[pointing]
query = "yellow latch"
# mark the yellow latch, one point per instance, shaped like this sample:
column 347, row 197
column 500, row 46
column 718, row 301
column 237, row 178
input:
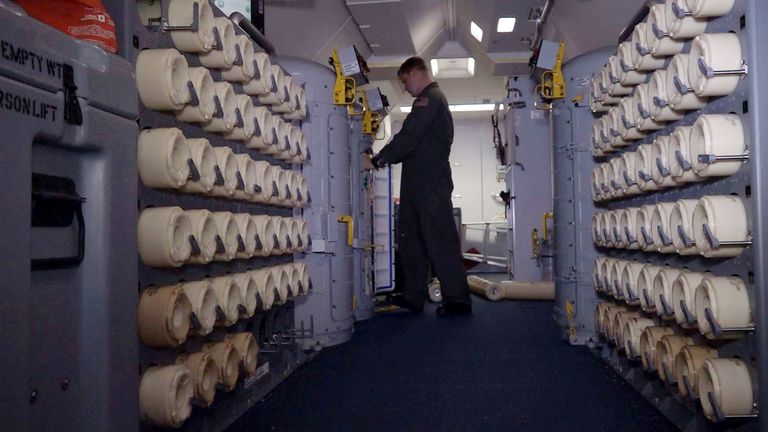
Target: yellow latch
column 570, row 314
column 347, row 219
column 345, row 87
column 552, row 82
column 545, row 225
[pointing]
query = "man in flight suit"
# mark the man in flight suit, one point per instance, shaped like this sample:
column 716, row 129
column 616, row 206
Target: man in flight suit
column 427, row 228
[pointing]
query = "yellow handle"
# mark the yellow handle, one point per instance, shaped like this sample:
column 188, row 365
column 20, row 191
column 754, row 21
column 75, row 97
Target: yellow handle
column 347, row 219
column 545, row 225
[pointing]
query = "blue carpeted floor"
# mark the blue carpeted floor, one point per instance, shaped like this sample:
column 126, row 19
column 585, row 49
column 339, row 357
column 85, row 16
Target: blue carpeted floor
column 502, row 369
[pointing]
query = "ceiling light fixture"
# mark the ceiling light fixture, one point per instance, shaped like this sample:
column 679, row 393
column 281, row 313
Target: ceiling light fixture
column 476, row 31
column 471, row 66
column 435, row 67
column 506, row 24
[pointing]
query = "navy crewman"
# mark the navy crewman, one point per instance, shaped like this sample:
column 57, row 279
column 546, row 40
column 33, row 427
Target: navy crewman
column 427, row 229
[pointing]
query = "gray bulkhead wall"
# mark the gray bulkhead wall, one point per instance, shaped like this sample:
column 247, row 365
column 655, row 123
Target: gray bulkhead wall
column 527, row 133
column 573, row 206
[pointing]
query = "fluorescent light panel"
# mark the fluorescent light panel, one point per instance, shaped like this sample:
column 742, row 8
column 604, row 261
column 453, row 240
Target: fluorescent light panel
column 435, row 68
column 506, row 24
column 459, row 108
column 476, row 31
column 471, row 66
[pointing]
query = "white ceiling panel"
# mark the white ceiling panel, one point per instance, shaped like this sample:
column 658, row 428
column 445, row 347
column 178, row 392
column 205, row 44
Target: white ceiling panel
column 384, row 26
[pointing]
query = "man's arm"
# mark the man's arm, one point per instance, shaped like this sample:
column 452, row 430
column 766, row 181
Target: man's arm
column 415, row 126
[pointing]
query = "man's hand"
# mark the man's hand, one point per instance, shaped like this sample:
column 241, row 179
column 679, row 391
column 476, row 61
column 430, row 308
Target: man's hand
column 366, row 162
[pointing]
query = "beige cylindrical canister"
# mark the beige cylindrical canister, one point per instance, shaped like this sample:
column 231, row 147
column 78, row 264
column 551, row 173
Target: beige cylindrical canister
column 202, row 371
column 247, row 348
column 204, row 159
column 730, row 383
column 203, row 111
column 181, row 13
column 163, row 316
column 165, row 394
column 164, row 237
column 222, row 57
column 227, row 362
column 203, row 300
column 161, row 79
column 163, row 158
column 688, row 362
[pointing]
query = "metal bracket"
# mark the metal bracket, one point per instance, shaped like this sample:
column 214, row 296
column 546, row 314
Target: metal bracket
column 648, row 300
column 625, row 67
column 709, row 159
column 646, row 237
column 632, row 298
column 256, row 127
column 667, row 375
column 195, row 245
column 643, row 112
column 628, row 180
column 238, row 57
column 679, row 12
column 218, row 42
column 239, row 118
column 664, row 171
column 194, row 100
column 219, row 176
column 715, row 243
column 711, row 73
column 718, row 330
column 257, row 73
column 194, row 322
column 720, row 415
column 687, row 241
column 642, row 50
column 665, row 240
column 194, row 174
column 651, row 366
column 681, row 88
column 689, row 318
column 630, row 238
column 220, row 248
column 684, row 164
column 194, row 26
column 219, row 112
column 666, row 310
column 627, row 123
column 659, row 33
column 687, row 385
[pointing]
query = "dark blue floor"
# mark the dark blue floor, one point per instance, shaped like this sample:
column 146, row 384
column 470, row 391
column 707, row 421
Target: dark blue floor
column 503, row 369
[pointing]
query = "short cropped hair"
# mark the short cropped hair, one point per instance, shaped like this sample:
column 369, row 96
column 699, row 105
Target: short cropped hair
column 412, row 63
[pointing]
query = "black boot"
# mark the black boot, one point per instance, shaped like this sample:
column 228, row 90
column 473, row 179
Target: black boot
column 452, row 309
column 402, row 303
